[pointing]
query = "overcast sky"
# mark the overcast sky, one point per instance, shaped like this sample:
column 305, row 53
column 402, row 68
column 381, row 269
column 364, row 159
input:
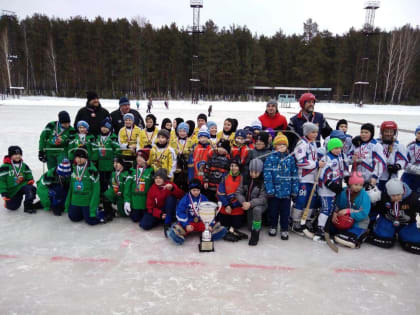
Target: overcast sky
column 260, row 16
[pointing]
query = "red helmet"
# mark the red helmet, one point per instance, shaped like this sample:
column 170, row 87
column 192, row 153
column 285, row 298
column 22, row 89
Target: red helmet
column 344, row 222
column 306, row 97
column 389, row 125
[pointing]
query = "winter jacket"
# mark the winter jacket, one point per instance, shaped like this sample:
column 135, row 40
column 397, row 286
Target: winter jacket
column 136, row 187
column 226, row 193
column 230, row 137
column 118, row 121
column 104, row 149
column 332, row 173
column 116, row 189
column 217, row 167
column 13, row 177
column 183, row 150
column 296, row 125
column 306, row 155
column 54, row 139
column 360, row 207
column 370, row 159
column 281, row 175
column 147, row 138
column 394, row 153
column 252, row 191
column 187, row 209
column 277, row 122
column 413, row 157
column 78, row 141
column 157, row 195
column 128, row 137
column 47, row 180
column 240, row 151
column 93, row 116
column 84, row 189
column 197, row 161
column 163, row 158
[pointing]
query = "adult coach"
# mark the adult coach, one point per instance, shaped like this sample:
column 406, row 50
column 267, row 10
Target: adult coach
column 307, row 104
column 272, row 119
column 93, row 113
column 117, row 115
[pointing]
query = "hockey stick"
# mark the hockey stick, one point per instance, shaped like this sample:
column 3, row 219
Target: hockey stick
column 308, row 204
column 330, row 243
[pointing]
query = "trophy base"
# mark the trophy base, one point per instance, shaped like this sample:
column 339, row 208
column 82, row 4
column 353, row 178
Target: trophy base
column 206, row 246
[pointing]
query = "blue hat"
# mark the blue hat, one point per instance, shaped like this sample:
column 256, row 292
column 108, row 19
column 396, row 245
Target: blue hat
column 417, row 129
column 129, row 116
column 183, row 126
column 106, row 123
column 338, row 134
column 211, row 124
column 64, row 168
column 124, row 101
column 241, row 133
column 83, row 124
column 203, row 132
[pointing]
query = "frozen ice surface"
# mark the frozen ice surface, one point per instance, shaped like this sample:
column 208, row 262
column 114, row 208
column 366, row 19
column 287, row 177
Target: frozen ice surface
column 49, row 265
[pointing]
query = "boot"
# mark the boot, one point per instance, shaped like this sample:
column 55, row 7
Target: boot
column 240, row 235
column 319, row 235
column 109, row 213
column 37, row 205
column 29, row 208
column 284, row 235
column 272, row 232
column 230, row 237
column 165, row 229
column 255, row 236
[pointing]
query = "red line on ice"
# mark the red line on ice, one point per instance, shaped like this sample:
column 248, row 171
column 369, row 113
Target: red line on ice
column 125, row 243
column 62, row 258
column 367, row 271
column 7, row 256
column 265, row 267
column 175, row 263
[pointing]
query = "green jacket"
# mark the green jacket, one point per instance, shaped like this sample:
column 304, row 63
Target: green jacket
column 136, row 189
column 104, row 152
column 12, row 180
column 76, row 143
column 54, row 139
column 42, row 186
column 115, row 191
column 84, row 192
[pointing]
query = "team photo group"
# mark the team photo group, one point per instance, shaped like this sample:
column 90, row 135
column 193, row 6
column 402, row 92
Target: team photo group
column 301, row 175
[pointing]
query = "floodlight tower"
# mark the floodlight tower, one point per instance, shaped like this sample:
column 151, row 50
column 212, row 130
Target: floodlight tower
column 368, row 30
column 196, row 30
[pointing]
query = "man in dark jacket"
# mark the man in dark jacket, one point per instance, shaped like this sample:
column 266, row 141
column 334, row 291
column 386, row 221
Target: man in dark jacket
column 93, row 113
column 117, row 115
column 307, row 103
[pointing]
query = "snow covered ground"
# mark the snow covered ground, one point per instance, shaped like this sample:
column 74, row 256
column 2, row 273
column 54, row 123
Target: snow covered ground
column 49, row 265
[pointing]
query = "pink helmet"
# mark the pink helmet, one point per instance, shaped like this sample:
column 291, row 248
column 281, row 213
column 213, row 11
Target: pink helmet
column 356, row 178
column 306, row 97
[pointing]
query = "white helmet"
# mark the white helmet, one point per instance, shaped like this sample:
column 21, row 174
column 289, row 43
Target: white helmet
column 374, row 193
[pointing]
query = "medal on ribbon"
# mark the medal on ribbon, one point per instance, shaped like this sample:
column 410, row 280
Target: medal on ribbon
column 194, row 208
column 140, row 186
column 18, row 176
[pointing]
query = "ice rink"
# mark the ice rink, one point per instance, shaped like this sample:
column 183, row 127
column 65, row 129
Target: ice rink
column 49, row 265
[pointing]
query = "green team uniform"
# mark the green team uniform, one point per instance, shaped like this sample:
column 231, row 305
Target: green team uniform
column 12, row 179
column 104, row 149
column 137, row 186
column 84, row 189
column 48, row 179
column 115, row 191
column 79, row 141
column 54, row 141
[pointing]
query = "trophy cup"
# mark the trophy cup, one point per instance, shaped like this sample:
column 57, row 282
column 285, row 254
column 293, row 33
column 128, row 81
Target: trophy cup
column 207, row 211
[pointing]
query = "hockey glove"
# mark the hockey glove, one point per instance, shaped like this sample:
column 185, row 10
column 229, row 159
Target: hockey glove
column 334, row 187
column 393, row 168
column 127, row 208
column 357, row 141
column 42, row 156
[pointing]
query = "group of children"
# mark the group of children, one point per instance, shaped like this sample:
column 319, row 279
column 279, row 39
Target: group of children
column 349, row 187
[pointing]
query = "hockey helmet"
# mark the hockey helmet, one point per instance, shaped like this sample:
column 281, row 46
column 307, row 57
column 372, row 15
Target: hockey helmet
column 306, row 97
column 344, row 222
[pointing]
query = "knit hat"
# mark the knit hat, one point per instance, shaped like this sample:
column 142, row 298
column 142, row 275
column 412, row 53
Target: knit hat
column 338, row 134
column 281, row 139
column 195, row 183
column 106, row 123
column 309, row 127
column 202, row 116
column 256, row 165
column 211, row 124
column 341, row 122
column 191, row 123
column 162, row 173
column 64, row 168
column 334, row 143
column 256, row 125
column 369, row 127
column 14, row 149
column 91, row 95
column 83, row 124
column 144, row 153
column 63, row 117
column 273, row 102
column 235, row 160
column 271, row 132
column 203, row 132
column 225, row 144
column 152, row 117
column 356, row 178
column 164, row 133
column 128, row 116
column 417, row 129
column 81, row 152
column 394, row 187
column 241, row 133
column 124, row 101
column 262, row 136
column 183, row 126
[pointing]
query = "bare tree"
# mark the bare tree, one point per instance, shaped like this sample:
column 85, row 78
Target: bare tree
column 392, row 52
column 5, row 50
column 52, row 58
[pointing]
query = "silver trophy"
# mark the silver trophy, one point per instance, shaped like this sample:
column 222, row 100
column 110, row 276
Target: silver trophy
column 207, row 211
